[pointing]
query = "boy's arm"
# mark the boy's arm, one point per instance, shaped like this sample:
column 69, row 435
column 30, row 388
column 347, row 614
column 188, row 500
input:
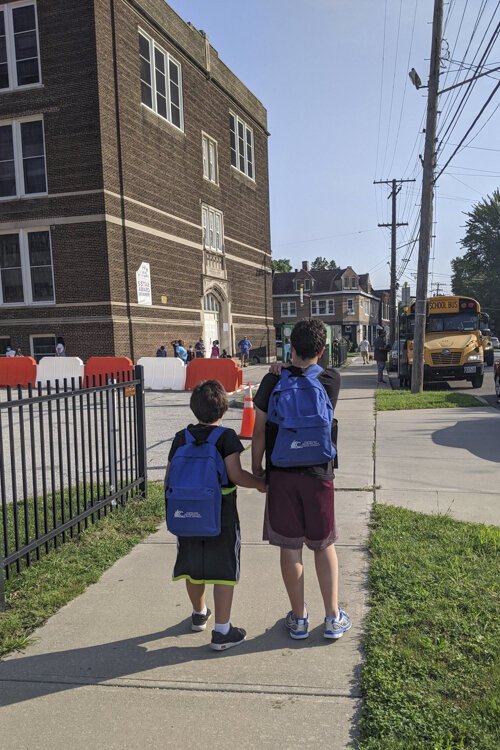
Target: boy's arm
column 239, row 476
column 259, row 441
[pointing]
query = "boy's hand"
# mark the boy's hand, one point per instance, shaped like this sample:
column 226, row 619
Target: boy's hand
column 276, row 368
column 262, row 485
column 258, row 471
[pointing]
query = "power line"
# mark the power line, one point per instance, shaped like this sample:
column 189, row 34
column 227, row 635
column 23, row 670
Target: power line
column 329, row 237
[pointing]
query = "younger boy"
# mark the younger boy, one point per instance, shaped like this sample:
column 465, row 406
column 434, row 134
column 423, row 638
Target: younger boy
column 300, row 503
column 216, row 560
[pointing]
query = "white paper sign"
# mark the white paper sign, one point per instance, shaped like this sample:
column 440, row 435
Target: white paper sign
column 225, row 327
column 143, row 280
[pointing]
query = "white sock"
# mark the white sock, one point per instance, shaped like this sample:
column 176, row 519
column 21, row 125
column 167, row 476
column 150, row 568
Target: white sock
column 222, row 627
column 203, row 611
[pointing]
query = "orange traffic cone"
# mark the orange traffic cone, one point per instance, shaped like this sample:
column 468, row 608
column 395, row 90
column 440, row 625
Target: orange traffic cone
column 248, row 421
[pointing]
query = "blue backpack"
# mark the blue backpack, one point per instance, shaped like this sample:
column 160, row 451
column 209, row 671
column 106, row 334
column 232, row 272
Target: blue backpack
column 194, row 492
column 300, row 406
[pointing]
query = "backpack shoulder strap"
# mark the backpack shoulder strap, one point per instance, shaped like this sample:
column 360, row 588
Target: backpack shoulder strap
column 215, row 435
column 314, row 371
column 189, row 438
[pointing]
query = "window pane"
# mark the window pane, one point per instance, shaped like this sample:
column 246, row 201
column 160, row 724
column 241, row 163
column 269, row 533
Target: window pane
column 145, row 71
column 159, row 60
column 6, row 143
column 161, row 105
column 43, row 346
column 32, row 138
column 10, row 254
column 42, row 287
column 174, row 94
column 12, row 285
column 25, row 45
column 204, row 147
column 7, row 179
column 24, row 18
column 27, row 72
column 176, row 116
column 2, row 23
column 161, row 87
column 212, row 161
column 4, row 77
column 174, row 72
column 144, row 47
column 39, row 249
column 146, row 95
column 34, row 175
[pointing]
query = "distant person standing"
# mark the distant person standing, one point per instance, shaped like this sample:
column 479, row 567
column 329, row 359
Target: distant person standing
column 364, row 348
column 244, row 345
column 215, row 350
column 10, row 352
column 190, row 353
column 174, row 345
column 199, row 349
column 19, row 352
column 161, row 351
column 181, row 351
column 380, row 349
column 60, row 347
column 286, row 350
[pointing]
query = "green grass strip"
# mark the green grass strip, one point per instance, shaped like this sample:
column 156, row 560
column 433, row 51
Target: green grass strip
column 432, row 674
column 395, row 400
column 43, row 588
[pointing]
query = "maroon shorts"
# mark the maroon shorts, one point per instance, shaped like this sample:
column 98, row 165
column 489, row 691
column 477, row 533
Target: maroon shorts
column 300, row 509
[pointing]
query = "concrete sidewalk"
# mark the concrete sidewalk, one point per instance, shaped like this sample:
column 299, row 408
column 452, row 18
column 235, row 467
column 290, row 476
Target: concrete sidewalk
column 119, row 668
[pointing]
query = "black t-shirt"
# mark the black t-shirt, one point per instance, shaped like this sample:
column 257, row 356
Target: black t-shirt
column 227, row 444
column 330, row 380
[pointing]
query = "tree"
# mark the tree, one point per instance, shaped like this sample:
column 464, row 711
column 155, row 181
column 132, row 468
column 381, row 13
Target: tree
column 281, row 265
column 477, row 273
column 322, row 264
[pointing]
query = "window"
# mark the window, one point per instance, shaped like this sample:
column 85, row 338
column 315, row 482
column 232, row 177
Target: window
column 241, row 135
column 213, row 231
column 346, row 282
column 161, row 81
column 5, row 341
column 288, row 309
column 26, row 276
column 323, row 307
column 350, row 307
column 210, row 170
column 19, row 50
column 307, row 285
column 22, row 158
column 354, row 283
column 43, row 345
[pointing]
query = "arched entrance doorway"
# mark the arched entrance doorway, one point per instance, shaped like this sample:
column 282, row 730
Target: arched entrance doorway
column 211, row 319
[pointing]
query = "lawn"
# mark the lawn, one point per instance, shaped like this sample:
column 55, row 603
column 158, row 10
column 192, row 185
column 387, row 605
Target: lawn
column 432, row 674
column 395, row 400
column 63, row 574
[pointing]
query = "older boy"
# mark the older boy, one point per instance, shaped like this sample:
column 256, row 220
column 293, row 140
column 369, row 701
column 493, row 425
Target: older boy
column 216, row 560
column 300, row 502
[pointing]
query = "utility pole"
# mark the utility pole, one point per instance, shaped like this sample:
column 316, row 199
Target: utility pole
column 396, row 187
column 424, row 243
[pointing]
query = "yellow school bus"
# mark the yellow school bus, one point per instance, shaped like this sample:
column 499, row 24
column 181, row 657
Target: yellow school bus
column 453, row 347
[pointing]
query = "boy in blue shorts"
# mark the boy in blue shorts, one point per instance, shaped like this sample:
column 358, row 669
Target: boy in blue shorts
column 300, row 502
column 214, row 559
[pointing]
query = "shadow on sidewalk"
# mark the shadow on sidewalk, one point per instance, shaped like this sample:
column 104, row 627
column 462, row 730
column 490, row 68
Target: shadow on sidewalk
column 48, row 674
column 472, row 436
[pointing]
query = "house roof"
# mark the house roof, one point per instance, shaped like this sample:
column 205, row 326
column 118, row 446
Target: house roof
column 324, row 281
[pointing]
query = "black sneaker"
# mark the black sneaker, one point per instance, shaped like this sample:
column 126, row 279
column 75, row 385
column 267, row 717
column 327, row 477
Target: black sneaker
column 232, row 638
column 199, row 622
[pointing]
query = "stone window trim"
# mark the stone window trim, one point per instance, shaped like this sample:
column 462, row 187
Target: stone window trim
column 27, row 267
column 242, row 146
column 14, row 65
column 161, row 81
column 210, row 158
column 212, row 221
column 289, row 309
column 20, row 158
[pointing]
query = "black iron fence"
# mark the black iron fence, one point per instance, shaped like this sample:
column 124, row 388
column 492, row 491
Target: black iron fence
column 68, row 455
column 339, row 353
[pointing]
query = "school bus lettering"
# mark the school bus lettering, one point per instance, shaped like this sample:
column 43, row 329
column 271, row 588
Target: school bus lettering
column 437, row 305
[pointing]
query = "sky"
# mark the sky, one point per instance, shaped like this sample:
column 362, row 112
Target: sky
column 342, row 112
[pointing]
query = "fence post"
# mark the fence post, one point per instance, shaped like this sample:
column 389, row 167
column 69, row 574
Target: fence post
column 111, row 437
column 141, row 428
column 2, row 585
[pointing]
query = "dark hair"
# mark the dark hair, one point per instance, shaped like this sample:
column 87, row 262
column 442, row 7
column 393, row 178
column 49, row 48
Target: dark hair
column 209, row 401
column 308, row 338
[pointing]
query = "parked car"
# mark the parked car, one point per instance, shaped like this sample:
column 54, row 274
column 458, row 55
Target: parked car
column 496, row 342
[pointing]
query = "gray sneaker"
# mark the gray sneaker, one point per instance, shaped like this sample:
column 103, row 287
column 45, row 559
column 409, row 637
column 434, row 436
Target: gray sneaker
column 199, row 622
column 297, row 628
column 335, row 629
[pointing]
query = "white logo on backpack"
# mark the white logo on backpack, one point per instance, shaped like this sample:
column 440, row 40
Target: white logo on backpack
column 306, row 444
column 189, row 514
